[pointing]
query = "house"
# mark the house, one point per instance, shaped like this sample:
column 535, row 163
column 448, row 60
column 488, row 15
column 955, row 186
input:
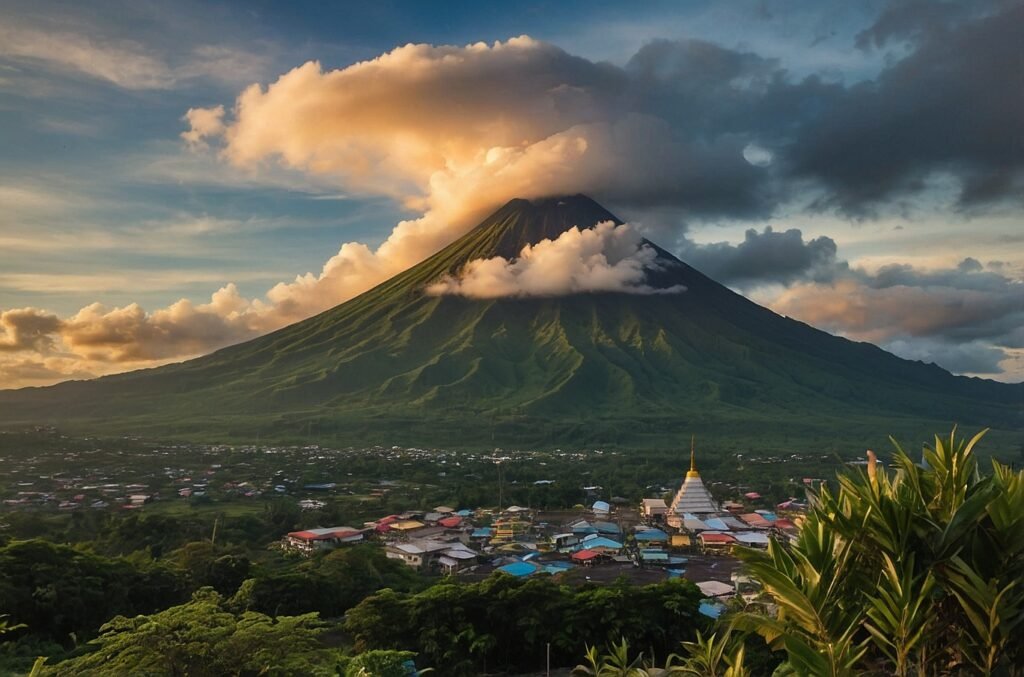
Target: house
column 586, row 557
column 452, row 522
column 651, row 537
column 752, row 539
column 564, row 540
column 456, row 558
column 653, row 508
column 752, row 519
column 424, row 553
column 715, row 542
column 599, row 543
column 601, row 508
column 417, row 553
column 654, row 556
column 680, row 541
column 607, row 528
column 312, row 540
column 481, row 534
column 716, row 589
column 404, row 526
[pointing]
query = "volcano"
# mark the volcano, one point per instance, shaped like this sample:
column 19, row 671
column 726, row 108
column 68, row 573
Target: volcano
column 397, row 364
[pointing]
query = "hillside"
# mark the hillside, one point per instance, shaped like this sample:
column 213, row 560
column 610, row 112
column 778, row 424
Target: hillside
column 395, row 364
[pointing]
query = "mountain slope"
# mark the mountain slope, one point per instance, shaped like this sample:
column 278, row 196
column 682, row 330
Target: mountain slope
column 396, row 357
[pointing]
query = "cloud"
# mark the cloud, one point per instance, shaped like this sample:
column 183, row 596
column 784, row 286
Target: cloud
column 605, row 258
column 126, row 64
column 123, row 63
column 962, row 318
column 763, row 258
column 950, row 106
column 712, row 133
column 129, row 334
column 27, row 329
column 704, row 132
column 453, row 132
column 203, row 123
column 961, row 358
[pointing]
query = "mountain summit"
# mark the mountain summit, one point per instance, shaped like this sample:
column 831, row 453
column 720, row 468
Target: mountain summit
column 397, row 363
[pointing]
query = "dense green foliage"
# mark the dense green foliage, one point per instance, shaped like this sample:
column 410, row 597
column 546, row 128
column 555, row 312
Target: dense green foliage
column 396, row 365
column 203, row 638
column 505, row 623
column 58, row 592
column 914, row 571
column 330, row 584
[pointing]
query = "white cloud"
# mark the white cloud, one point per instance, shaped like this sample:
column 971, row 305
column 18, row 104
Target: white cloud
column 124, row 63
column 605, row 258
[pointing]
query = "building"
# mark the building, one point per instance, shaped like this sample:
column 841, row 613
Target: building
column 653, row 508
column 312, row 540
column 712, row 542
column 423, row 554
column 693, row 497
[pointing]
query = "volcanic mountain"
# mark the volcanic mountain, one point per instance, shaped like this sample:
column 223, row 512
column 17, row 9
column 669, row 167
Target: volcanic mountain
column 399, row 364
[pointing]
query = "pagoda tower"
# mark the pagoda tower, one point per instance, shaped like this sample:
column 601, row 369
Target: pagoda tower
column 693, row 497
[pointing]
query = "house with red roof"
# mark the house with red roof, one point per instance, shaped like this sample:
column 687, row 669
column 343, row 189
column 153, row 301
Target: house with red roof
column 310, row 541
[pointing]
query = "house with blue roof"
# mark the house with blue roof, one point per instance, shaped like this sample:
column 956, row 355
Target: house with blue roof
column 598, row 543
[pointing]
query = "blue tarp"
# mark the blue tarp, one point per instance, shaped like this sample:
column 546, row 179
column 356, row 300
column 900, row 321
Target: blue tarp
column 607, row 528
column 651, row 535
column 716, row 524
column 711, row 609
column 464, row 513
column 482, row 532
column 519, row 569
column 601, row 506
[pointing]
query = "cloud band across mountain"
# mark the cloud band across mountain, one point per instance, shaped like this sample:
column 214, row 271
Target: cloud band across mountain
column 605, row 258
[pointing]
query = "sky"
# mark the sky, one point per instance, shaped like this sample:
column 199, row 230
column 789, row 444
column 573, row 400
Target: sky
column 179, row 177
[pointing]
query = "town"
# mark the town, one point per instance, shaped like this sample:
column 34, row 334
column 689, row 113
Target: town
column 690, row 537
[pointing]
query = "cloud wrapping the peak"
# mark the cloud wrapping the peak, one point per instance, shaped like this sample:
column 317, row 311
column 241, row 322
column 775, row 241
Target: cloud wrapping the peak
column 605, row 258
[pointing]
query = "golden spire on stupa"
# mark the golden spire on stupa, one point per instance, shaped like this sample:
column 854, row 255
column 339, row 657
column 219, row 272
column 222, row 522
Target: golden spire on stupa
column 693, row 458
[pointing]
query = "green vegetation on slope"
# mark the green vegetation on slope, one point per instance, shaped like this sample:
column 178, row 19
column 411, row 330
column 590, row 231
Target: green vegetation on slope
column 633, row 369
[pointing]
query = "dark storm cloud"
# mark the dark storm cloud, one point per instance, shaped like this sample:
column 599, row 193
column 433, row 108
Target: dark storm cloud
column 968, row 274
column 954, row 105
column 959, row 358
column 765, row 257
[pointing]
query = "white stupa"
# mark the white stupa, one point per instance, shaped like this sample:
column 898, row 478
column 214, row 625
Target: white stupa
column 693, row 497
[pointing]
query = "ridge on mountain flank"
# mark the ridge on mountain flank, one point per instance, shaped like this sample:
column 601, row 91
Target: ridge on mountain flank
column 396, row 362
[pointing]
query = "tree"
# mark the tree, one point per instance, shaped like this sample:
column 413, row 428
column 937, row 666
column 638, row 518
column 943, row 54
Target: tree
column 203, row 638
column 910, row 572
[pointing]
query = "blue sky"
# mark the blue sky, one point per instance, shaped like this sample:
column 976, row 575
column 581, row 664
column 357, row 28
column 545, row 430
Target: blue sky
column 909, row 222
